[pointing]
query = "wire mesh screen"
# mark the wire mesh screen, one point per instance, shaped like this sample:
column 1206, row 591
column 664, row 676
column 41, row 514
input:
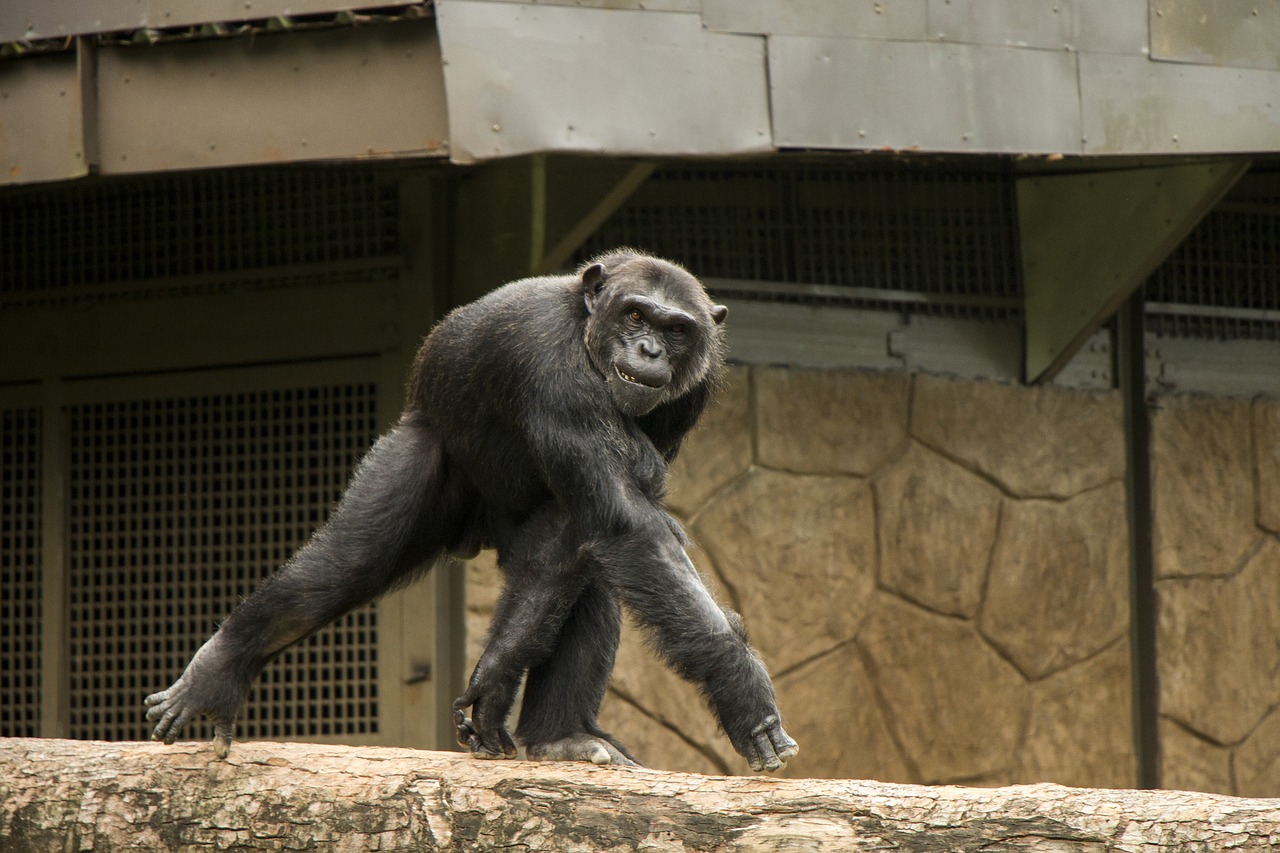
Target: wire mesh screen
column 177, row 508
column 874, row 237
column 1223, row 281
column 20, row 588
column 200, row 232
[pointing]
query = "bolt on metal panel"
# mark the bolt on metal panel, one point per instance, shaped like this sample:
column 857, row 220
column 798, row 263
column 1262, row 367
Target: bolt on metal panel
column 524, row 78
column 1134, row 106
column 899, row 19
column 1234, row 33
column 41, row 120
column 340, row 93
column 864, row 93
column 22, row 20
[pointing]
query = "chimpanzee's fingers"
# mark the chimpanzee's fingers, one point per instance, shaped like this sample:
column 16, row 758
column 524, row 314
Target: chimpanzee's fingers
column 162, row 729
column 176, row 726
column 223, row 732
column 764, row 758
column 156, row 711
column 783, row 745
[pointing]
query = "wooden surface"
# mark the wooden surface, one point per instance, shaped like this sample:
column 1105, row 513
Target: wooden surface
column 79, row 795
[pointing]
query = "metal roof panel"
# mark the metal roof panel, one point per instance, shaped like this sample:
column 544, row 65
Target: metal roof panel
column 524, row 78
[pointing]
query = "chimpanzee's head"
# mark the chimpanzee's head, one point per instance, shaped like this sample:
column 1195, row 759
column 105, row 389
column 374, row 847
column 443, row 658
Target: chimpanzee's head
column 652, row 331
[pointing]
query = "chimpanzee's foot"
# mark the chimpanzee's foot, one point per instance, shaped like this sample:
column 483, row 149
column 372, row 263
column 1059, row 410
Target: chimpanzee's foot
column 769, row 747
column 495, row 743
column 581, row 747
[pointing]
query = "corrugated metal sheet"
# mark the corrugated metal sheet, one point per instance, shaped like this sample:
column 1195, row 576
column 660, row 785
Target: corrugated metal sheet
column 855, row 93
column 41, row 120
column 324, row 94
column 38, row 19
column 899, row 19
column 1239, row 33
column 532, row 78
column 1131, row 105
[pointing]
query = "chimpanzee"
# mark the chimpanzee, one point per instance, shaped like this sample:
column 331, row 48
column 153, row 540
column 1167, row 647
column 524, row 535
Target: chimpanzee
column 540, row 421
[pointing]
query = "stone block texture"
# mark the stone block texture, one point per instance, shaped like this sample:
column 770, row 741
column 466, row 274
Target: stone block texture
column 935, row 572
column 1216, row 484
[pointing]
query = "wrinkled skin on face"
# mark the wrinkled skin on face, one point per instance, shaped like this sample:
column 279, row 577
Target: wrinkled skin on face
column 651, row 331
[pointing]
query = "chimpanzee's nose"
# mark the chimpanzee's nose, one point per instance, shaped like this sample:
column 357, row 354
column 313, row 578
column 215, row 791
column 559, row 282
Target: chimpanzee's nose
column 650, row 348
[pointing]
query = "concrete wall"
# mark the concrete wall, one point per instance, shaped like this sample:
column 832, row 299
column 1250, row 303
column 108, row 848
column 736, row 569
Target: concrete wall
column 935, row 572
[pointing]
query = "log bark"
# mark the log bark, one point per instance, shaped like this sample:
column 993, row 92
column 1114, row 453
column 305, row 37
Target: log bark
column 78, row 795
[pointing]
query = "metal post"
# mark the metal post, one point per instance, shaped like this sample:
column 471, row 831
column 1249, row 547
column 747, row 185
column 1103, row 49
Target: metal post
column 1131, row 375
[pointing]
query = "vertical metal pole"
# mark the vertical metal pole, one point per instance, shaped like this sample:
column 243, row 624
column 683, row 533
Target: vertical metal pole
column 1131, row 374
column 55, row 632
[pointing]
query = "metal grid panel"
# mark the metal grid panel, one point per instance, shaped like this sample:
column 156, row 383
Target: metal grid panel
column 922, row 242
column 1223, row 281
column 20, row 517
column 178, row 508
column 199, row 231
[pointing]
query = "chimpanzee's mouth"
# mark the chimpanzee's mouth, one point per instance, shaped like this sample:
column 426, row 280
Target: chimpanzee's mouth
column 627, row 377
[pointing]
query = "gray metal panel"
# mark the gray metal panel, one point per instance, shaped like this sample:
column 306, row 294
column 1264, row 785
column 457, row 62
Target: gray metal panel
column 1220, row 368
column 37, row 19
column 1105, row 26
column 41, row 120
column 1134, row 106
column 532, row 78
column 1242, row 33
column 650, row 5
column 900, row 19
column 1022, row 23
column 305, row 96
column 861, row 93
column 1111, row 26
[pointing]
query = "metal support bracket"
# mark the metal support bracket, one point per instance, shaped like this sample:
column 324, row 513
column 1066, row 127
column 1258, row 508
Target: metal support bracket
column 1089, row 240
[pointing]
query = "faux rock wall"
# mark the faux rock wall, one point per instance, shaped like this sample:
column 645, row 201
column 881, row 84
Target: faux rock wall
column 935, row 572
column 1216, row 484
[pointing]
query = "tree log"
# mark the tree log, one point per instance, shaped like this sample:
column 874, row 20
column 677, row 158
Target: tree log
column 81, row 795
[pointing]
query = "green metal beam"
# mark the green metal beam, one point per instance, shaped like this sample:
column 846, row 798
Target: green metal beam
column 1089, row 240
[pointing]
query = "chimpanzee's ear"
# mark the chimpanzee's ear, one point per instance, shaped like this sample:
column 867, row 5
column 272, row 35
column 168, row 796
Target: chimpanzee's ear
column 592, row 280
column 718, row 313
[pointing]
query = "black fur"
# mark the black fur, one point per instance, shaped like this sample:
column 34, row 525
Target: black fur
column 540, row 422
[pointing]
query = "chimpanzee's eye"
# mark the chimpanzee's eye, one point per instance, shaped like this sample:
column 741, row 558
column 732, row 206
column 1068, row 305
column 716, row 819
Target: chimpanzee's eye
column 677, row 329
column 635, row 316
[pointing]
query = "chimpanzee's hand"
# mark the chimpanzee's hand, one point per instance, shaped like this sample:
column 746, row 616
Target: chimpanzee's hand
column 769, row 747
column 207, row 687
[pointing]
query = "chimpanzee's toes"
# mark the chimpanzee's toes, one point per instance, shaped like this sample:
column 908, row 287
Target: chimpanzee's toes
column 580, row 747
column 494, row 744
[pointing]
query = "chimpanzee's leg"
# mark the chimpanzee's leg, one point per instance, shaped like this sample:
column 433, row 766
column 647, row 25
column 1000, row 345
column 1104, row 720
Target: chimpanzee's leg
column 562, row 695
column 544, row 577
column 401, row 511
